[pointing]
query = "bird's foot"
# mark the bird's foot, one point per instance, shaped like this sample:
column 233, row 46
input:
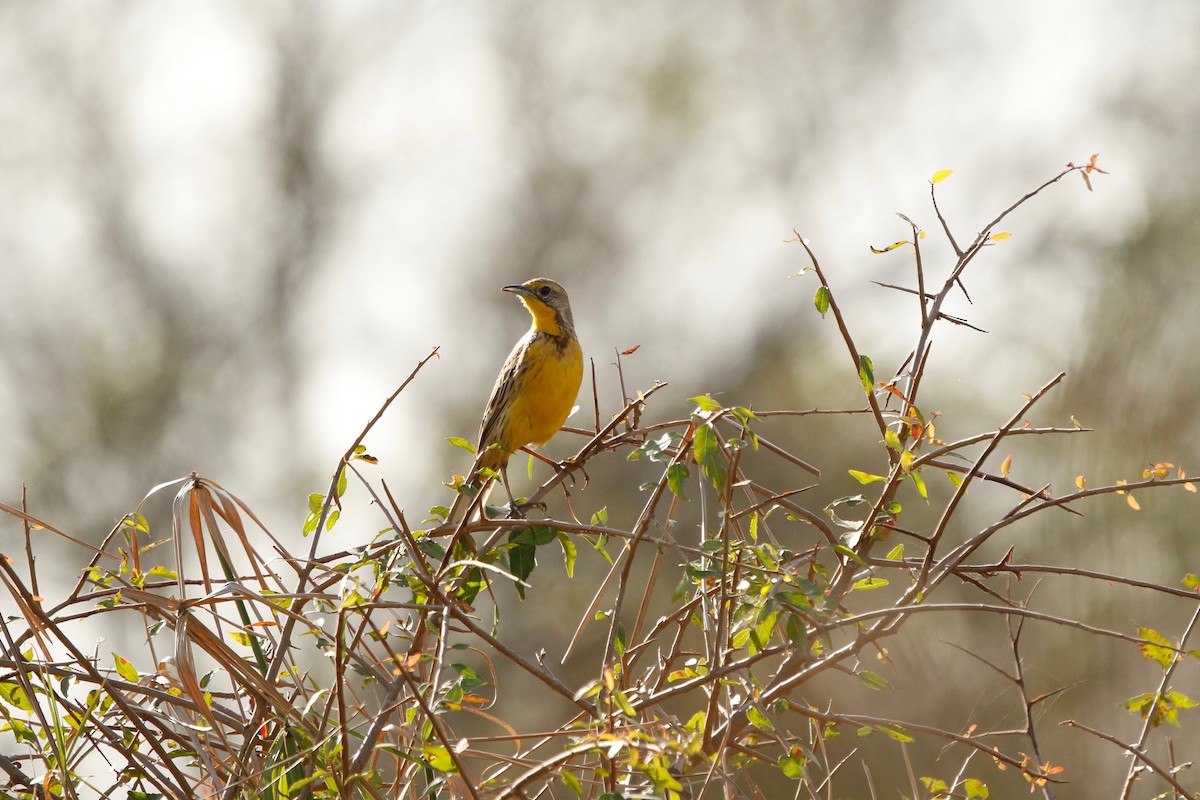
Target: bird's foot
column 569, row 466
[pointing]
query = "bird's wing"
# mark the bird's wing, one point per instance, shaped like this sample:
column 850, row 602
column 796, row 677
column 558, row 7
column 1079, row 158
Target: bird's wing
column 502, row 394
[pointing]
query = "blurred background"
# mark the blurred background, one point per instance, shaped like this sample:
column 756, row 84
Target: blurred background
column 228, row 231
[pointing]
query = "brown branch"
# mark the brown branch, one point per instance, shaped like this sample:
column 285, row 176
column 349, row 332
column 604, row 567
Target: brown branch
column 1137, row 754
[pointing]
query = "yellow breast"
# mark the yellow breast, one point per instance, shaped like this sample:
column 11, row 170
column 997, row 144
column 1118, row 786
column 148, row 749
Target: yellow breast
column 547, row 383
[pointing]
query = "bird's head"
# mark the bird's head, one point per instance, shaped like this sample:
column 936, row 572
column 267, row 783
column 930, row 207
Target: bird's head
column 547, row 303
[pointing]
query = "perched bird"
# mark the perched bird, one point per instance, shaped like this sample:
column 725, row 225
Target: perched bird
column 535, row 390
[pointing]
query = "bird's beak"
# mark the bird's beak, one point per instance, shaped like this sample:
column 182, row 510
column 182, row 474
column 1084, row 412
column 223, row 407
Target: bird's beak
column 517, row 289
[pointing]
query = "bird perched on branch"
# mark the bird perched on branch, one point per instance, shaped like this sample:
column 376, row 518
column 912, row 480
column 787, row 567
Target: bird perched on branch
column 534, row 392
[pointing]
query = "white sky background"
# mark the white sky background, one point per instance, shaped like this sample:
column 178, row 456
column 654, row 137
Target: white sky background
column 420, row 140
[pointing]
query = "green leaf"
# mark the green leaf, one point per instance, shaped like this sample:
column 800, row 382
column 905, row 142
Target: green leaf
column 438, row 758
column 14, row 694
column 821, row 299
column 767, row 555
column 852, row 501
column 677, row 474
column 463, row 443
column 1138, row 702
column 341, row 482
column 709, row 456
column 619, row 639
column 866, row 373
column 744, row 415
column 846, row 552
column 471, row 585
column 655, row 449
column 542, row 535
column 600, row 518
column 898, row 733
column 600, row 544
column 522, row 555
column 706, row 403
column 137, row 522
column 758, row 719
column 125, row 669
column 1191, row 581
column 1159, row 710
column 892, row 440
column 976, row 789
column 792, row 768
column 871, row 583
column 570, row 553
column 935, row 786
column 797, row 633
column 764, row 627
column 623, row 703
column 896, row 553
column 571, row 780
column 315, row 501
column 919, row 482
column 865, row 477
column 873, row 680
column 658, row 771
column 1179, row 700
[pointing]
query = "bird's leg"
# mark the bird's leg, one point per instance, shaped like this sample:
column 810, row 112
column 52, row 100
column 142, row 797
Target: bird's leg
column 514, row 508
column 569, row 465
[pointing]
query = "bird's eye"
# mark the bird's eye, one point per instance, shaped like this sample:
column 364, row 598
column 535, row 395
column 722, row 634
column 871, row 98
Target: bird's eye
column 544, row 291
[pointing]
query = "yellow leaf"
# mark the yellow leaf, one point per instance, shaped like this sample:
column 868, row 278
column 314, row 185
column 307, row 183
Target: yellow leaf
column 1000, row 237
column 1006, row 466
column 1133, row 503
column 1158, row 471
column 1156, row 647
column 889, row 248
column 1081, row 482
column 941, row 175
